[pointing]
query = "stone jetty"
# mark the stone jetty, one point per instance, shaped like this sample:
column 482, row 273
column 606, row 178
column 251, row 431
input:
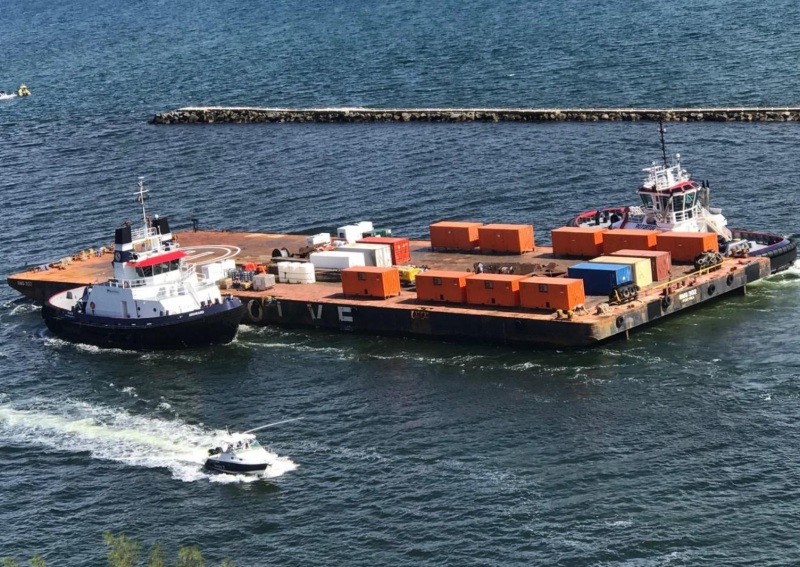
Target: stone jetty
column 246, row 115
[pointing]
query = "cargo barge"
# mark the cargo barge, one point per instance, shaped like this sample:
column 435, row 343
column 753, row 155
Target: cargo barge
column 502, row 289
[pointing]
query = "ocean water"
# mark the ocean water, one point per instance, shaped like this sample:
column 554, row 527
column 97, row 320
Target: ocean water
column 676, row 447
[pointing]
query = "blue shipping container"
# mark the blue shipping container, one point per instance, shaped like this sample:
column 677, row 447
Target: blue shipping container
column 600, row 279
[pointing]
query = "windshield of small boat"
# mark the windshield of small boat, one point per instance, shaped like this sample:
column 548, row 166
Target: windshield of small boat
column 254, row 444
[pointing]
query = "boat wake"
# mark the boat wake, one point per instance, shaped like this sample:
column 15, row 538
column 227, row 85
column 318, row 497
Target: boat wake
column 8, row 96
column 788, row 276
column 115, row 435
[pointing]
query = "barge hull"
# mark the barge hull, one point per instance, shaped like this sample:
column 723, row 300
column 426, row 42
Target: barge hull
column 323, row 305
column 415, row 319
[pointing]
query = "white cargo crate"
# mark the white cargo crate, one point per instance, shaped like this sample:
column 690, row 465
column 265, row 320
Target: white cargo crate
column 318, row 239
column 263, row 281
column 336, row 259
column 213, row 271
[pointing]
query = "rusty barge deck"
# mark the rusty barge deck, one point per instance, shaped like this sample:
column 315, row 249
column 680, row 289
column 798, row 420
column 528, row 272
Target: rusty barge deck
column 322, row 304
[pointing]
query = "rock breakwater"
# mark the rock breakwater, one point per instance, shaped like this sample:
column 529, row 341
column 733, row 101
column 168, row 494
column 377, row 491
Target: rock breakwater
column 245, row 115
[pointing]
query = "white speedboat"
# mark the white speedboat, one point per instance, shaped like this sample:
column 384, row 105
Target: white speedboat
column 154, row 301
column 241, row 453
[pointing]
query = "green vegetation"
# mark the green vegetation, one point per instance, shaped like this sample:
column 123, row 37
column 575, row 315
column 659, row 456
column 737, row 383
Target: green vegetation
column 124, row 552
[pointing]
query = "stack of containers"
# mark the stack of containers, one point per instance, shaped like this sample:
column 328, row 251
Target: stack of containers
column 578, row 242
column 371, row 281
column 686, row 246
column 400, row 247
column 660, row 261
column 336, row 259
column 636, row 238
column 449, row 286
column 493, row 289
column 539, row 292
column 374, row 254
column 600, row 279
column 455, row 235
column 640, row 267
column 509, row 238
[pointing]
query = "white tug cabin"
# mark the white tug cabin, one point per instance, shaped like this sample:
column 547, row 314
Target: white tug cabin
column 151, row 278
column 671, row 200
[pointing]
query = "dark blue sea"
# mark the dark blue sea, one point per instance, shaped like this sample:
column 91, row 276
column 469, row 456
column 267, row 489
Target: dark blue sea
column 679, row 446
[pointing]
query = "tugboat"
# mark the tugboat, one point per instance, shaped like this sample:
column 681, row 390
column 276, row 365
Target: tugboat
column 241, row 453
column 155, row 300
column 672, row 200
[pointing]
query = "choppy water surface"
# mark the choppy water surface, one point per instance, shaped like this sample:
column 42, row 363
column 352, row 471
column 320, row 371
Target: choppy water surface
column 677, row 447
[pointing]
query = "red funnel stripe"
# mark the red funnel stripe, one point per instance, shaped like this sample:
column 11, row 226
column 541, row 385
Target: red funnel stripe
column 160, row 259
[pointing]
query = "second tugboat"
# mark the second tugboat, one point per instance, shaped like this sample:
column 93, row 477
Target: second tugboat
column 672, row 201
column 154, row 301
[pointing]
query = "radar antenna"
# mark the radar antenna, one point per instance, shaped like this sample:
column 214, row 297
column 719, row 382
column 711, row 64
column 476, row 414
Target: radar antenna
column 661, row 131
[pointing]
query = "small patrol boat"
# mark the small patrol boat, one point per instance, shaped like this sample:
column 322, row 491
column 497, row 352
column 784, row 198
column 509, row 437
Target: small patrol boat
column 241, row 453
column 673, row 201
column 155, row 301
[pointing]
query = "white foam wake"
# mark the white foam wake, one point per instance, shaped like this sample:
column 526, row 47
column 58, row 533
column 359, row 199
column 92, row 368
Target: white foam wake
column 115, row 435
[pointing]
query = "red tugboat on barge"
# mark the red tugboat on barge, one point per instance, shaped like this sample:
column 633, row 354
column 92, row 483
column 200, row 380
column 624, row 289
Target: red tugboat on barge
column 154, row 301
column 673, row 201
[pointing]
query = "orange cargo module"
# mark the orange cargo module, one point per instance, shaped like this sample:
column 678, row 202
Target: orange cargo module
column 442, row 285
column 371, row 281
column 455, row 235
column 494, row 289
column 634, row 238
column 510, row 238
column 539, row 292
column 579, row 242
column 686, row 246
column 660, row 261
column 401, row 251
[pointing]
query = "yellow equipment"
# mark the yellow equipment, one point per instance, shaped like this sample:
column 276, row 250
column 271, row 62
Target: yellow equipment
column 408, row 274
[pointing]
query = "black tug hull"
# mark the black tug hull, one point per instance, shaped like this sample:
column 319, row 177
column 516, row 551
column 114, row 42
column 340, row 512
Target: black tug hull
column 216, row 324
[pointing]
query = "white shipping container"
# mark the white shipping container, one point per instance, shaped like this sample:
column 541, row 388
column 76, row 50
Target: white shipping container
column 350, row 232
column 336, row 259
column 263, row 281
column 374, row 254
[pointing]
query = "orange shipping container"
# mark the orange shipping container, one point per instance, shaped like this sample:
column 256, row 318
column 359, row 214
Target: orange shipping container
column 579, row 242
column 455, row 234
column 401, row 250
column 442, row 285
column 371, row 281
column 539, row 292
column 494, row 289
column 685, row 246
column 511, row 238
column 635, row 238
column 660, row 261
